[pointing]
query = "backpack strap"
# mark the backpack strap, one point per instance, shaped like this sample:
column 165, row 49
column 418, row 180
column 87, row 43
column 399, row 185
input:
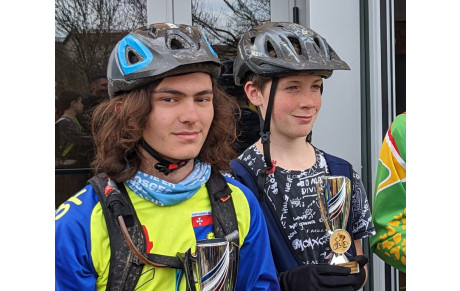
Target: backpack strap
column 223, row 210
column 125, row 269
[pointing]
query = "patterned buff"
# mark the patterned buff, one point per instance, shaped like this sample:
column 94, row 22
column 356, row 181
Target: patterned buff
column 164, row 193
column 389, row 210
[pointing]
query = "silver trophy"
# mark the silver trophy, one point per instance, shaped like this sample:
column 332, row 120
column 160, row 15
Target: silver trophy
column 334, row 197
column 214, row 266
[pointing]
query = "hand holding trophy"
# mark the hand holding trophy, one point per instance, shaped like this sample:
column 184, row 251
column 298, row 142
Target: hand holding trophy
column 334, row 197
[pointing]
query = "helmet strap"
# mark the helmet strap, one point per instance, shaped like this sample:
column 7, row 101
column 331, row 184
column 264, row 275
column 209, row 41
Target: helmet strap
column 164, row 166
column 265, row 133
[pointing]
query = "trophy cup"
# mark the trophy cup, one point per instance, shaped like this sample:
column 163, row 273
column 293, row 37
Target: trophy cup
column 214, row 266
column 334, row 197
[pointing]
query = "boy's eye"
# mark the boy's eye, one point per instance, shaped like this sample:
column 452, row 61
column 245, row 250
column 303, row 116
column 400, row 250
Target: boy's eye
column 168, row 99
column 203, row 99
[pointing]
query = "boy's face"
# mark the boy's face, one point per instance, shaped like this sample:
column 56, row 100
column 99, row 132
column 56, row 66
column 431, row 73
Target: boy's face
column 77, row 105
column 296, row 105
column 181, row 115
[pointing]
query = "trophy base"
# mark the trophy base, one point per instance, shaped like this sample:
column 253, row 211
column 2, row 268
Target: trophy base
column 342, row 260
column 353, row 265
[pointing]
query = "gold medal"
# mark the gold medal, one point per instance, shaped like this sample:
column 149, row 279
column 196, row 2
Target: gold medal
column 340, row 241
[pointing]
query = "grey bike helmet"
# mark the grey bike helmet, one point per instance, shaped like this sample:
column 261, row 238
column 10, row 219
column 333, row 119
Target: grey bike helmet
column 270, row 50
column 158, row 51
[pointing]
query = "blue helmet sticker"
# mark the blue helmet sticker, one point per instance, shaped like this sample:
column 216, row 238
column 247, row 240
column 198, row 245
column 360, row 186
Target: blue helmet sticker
column 140, row 48
column 210, row 48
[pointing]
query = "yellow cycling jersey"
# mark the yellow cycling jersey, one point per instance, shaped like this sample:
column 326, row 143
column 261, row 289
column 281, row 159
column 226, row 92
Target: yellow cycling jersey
column 83, row 246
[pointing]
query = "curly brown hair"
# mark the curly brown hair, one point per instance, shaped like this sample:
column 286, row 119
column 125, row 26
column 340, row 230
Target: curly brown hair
column 118, row 125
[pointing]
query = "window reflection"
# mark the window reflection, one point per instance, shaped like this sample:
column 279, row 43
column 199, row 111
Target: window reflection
column 85, row 33
column 223, row 21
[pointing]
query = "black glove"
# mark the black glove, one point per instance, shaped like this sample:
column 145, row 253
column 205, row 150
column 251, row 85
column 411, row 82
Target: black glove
column 361, row 276
column 323, row 277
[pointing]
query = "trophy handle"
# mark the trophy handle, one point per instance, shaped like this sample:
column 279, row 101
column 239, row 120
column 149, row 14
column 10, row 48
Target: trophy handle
column 234, row 262
column 189, row 261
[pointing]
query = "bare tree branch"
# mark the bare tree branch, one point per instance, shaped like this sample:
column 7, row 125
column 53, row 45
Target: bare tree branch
column 225, row 27
column 91, row 28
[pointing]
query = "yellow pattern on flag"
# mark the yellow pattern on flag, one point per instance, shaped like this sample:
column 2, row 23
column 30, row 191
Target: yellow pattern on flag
column 396, row 171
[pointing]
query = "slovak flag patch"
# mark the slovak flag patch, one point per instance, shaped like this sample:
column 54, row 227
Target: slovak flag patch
column 202, row 224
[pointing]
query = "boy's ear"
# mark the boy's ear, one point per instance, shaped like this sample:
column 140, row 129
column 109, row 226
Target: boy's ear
column 254, row 95
column 118, row 106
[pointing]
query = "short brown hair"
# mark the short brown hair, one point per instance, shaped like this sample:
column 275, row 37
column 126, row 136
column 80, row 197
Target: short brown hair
column 260, row 82
column 118, row 125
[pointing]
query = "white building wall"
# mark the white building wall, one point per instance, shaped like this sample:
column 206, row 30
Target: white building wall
column 173, row 11
column 338, row 127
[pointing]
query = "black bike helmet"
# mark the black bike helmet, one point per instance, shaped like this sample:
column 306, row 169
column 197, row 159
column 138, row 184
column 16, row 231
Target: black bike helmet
column 280, row 48
column 158, row 51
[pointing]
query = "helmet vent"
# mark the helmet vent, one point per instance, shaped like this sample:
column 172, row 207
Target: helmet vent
column 252, row 40
column 318, row 44
column 177, row 43
column 296, row 44
column 132, row 56
column 271, row 50
column 322, row 47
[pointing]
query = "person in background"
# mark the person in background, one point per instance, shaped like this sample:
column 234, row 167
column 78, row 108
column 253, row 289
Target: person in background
column 389, row 208
column 99, row 93
column 281, row 67
column 73, row 146
column 72, row 143
column 161, row 142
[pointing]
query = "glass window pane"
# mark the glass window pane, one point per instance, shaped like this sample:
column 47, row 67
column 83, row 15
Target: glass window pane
column 85, row 33
column 223, row 21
